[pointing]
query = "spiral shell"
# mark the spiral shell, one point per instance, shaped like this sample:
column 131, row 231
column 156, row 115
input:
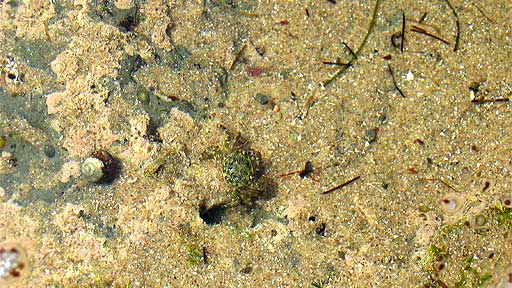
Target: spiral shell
column 92, row 169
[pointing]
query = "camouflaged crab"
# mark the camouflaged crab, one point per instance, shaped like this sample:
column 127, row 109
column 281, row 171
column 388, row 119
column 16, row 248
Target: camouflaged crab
column 241, row 169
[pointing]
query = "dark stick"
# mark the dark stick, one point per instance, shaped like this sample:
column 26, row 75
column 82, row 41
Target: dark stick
column 394, row 81
column 424, row 32
column 334, row 63
column 205, row 256
column 341, row 185
column 483, row 100
column 403, row 33
column 350, row 50
column 457, row 37
column 422, row 18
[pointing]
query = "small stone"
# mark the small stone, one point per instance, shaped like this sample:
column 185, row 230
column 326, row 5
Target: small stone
column 262, row 98
column 409, row 76
column 472, row 95
column 474, row 86
column 321, row 230
column 246, row 270
column 49, row 151
column 371, row 135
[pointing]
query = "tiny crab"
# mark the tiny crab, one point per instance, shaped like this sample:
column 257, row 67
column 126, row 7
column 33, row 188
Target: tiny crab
column 241, row 169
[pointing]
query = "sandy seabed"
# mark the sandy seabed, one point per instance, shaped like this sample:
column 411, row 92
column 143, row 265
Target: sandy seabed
column 421, row 119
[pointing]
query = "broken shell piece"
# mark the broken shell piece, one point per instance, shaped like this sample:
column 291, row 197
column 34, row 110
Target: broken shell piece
column 13, row 262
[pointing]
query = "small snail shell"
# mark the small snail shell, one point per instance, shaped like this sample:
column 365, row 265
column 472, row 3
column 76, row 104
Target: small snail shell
column 92, row 169
column 98, row 167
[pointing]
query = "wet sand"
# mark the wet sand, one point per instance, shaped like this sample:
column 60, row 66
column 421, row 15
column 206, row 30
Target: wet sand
column 171, row 89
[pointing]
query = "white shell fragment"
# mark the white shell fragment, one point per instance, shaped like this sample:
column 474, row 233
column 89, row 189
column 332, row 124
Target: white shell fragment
column 13, row 262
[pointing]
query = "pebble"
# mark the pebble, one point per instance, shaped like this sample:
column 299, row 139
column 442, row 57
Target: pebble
column 371, row 135
column 262, row 98
column 49, row 151
column 409, row 76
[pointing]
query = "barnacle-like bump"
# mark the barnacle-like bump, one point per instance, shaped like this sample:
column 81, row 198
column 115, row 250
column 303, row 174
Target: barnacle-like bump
column 507, row 202
column 479, row 220
column 451, row 204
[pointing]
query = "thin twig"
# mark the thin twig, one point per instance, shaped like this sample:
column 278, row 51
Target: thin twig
column 403, row 33
column 420, row 30
column 308, row 169
column 356, row 54
column 457, row 37
column 350, row 50
column 485, row 100
column 394, row 81
column 237, row 57
column 442, row 181
column 483, row 14
column 341, row 185
column 308, row 104
column 335, row 63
